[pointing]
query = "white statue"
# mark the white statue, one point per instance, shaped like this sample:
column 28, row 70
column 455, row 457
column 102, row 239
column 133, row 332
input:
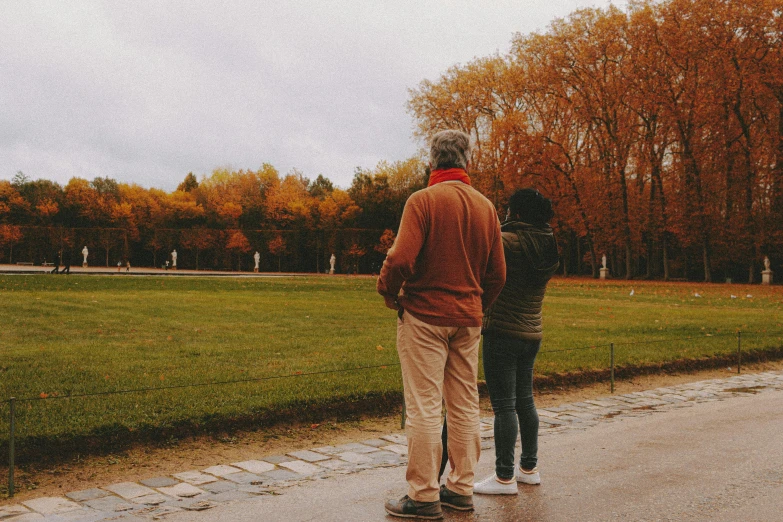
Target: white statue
column 603, row 271
column 84, row 253
column 766, row 274
column 174, row 259
column 257, row 259
column 332, row 261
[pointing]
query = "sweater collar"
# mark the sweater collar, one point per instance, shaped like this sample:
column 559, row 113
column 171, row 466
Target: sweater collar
column 440, row 175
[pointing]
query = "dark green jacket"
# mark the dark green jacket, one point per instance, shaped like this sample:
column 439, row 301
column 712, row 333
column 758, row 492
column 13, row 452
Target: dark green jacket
column 531, row 260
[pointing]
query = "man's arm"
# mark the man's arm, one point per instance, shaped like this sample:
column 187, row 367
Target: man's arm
column 401, row 259
column 495, row 276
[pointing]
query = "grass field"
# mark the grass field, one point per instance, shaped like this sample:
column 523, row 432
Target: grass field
column 62, row 336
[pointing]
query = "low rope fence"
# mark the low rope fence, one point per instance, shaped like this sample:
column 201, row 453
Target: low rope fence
column 14, row 401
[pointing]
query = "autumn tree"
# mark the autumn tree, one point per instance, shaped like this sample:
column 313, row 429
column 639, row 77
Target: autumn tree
column 277, row 247
column 189, row 184
column 237, row 242
column 13, row 207
column 352, row 256
column 380, row 194
column 386, row 241
column 200, row 239
column 10, row 235
column 657, row 131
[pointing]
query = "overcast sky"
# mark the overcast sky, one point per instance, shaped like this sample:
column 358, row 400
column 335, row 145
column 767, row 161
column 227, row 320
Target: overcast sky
column 146, row 92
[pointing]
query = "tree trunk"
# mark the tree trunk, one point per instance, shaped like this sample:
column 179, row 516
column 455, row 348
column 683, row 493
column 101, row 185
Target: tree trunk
column 626, row 223
column 750, row 179
column 777, row 171
column 665, row 258
column 693, row 175
column 585, row 221
column 706, row 258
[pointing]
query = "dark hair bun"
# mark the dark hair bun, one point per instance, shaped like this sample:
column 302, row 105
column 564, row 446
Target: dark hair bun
column 530, row 206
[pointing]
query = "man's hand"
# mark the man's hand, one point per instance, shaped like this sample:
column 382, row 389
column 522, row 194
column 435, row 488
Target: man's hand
column 391, row 302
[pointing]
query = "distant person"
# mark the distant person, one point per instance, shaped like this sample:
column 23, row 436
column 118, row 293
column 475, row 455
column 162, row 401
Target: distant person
column 127, row 266
column 167, row 264
column 56, row 262
column 66, row 261
column 512, row 338
column 446, row 267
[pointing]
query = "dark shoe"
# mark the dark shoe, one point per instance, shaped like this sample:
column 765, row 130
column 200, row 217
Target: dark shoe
column 455, row 501
column 406, row 507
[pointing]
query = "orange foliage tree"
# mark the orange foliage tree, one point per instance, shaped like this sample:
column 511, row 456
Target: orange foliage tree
column 657, row 131
column 237, row 242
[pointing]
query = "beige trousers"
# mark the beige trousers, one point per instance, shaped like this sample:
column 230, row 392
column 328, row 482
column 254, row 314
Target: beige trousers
column 439, row 363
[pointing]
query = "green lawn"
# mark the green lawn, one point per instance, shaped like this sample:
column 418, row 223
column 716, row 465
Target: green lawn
column 79, row 335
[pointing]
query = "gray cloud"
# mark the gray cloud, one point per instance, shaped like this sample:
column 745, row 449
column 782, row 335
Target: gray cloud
column 147, row 91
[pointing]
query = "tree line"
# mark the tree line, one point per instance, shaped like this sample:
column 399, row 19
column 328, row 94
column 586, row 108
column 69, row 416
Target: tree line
column 295, row 223
column 657, row 131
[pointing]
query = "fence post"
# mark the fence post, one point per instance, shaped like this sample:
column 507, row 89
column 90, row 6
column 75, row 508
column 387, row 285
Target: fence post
column 12, row 422
column 611, row 358
column 739, row 351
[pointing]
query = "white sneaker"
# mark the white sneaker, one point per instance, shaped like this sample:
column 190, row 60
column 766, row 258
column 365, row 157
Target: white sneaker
column 491, row 486
column 528, row 477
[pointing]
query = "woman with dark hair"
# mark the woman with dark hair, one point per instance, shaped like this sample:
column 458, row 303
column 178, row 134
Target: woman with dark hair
column 512, row 337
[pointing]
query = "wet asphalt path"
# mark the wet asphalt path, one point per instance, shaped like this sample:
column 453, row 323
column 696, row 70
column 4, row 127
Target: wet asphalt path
column 718, row 460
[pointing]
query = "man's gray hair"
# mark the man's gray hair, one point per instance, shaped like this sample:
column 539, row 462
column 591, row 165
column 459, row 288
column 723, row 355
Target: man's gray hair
column 450, row 149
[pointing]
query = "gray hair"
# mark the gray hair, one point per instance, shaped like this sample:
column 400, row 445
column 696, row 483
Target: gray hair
column 449, row 149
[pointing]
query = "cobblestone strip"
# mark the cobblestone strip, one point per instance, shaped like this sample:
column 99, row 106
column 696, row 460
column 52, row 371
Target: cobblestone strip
column 202, row 489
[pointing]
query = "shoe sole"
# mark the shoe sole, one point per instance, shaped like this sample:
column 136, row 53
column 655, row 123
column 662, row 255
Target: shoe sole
column 529, row 483
column 454, row 506
column 423, row 517
column 515, row 492
column 520, row 479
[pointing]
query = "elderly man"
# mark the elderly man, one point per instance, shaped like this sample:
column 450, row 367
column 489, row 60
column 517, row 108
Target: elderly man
column 446, row 267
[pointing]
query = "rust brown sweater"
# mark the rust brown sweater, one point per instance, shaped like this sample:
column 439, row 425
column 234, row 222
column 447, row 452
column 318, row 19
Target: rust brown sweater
column 447, row 263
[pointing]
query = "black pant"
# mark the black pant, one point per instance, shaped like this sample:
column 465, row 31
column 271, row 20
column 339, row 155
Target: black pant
column 508, row 368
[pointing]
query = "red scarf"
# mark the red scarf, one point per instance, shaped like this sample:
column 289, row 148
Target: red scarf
column 436, row 176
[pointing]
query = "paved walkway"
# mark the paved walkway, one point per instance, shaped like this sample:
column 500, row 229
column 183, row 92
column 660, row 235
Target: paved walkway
column 349, row 482
column 145, row 271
